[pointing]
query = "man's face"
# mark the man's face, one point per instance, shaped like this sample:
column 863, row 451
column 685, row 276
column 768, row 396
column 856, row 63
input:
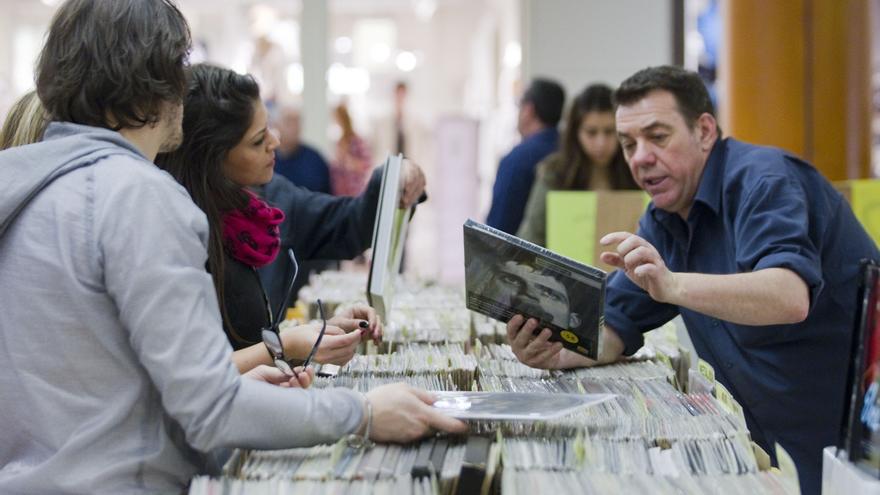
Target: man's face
column 525, row 117
column 522, row 286
column 173, row 125
column 289, row 128
column 665, row 155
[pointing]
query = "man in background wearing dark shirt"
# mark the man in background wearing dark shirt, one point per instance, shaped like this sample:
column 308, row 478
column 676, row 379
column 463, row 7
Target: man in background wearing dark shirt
column 751, row 246
column 298, row 162
column 539, row 113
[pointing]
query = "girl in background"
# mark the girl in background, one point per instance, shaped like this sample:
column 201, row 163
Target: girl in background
column 590, row 159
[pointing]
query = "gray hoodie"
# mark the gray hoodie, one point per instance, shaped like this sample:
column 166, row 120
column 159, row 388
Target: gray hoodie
column 117, row 375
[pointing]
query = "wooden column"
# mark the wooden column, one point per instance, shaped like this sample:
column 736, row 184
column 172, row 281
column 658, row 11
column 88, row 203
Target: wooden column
column 796, row 74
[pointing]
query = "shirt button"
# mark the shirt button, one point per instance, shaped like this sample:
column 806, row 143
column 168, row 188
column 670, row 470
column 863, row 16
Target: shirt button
column 714, row 323
column 728, row 365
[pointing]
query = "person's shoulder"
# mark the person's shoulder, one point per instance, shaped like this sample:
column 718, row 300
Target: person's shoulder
column 552, row 160
column 123, row 177
column 550, row 167
column 526, row 153
column 752, row 164
column 124, row 168
column 280, row 188
column 742, row 153
column 309, row 150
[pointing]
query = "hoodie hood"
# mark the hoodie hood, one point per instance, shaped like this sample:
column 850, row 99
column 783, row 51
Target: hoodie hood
column 27, row 170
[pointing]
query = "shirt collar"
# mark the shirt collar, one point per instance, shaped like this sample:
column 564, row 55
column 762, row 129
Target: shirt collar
column 711, row 182
column 709, row 191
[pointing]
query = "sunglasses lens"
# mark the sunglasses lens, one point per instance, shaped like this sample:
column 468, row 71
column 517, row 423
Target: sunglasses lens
column 284, row 367
column 273, row 342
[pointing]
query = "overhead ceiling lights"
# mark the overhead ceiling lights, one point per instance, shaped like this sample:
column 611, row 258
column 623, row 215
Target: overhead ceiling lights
column 406, row 61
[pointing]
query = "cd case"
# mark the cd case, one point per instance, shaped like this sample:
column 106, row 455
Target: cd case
column 516, row 406
column 507, row 276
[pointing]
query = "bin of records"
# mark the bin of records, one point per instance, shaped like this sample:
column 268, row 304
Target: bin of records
column 427, row 325
column 650, row 436
column 439, row 465
column 433, row 367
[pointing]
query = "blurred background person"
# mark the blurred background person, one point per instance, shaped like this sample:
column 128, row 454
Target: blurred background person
column 304, row 166
column 400, row 91
column 539, row 112
column 394, row 131
column 353, row 162
column 589, row 158
column 295, row 160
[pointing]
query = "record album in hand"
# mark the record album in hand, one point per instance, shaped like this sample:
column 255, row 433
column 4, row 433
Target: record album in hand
column 506, row 276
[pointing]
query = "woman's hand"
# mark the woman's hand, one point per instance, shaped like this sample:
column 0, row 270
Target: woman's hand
column 337, row 347
column 274, row 376
column 359, row 317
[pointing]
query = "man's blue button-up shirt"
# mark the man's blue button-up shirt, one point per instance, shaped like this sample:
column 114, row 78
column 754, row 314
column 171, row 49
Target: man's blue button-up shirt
column 759, row 207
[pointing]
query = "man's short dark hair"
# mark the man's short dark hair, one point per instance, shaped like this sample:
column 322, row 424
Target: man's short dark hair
column 113, row 63
column 688, row 89
column 548, row 98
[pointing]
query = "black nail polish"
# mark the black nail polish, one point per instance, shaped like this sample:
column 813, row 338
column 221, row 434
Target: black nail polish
column 363, row 324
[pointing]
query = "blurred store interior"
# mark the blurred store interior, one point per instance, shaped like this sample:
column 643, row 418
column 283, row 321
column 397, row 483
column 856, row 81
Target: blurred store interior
column 812, row 86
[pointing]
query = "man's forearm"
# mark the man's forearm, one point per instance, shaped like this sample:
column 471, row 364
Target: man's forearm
column 772, row 296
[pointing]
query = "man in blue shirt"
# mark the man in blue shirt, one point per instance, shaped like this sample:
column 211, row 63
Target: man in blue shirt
column 539, row 113
column 298, row 162
column 751, row 246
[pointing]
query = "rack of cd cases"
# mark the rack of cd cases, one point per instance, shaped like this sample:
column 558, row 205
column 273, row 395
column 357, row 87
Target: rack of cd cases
column 652, row 437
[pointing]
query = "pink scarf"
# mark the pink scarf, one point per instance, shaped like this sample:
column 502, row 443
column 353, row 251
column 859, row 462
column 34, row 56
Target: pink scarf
column 251, row 234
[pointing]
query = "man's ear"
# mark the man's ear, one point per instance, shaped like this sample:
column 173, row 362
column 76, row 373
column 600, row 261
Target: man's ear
column 527, row 109
column 574, row 320
column 707, row 129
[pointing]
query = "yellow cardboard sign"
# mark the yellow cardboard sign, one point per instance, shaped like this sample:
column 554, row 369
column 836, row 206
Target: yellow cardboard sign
column 762, row 457
column 728, row 402
column 786, row 464
column 865, row 200
column 663, row 358
column 706, row 370
column 724, row 397
column 571, row 224
column 576, row 220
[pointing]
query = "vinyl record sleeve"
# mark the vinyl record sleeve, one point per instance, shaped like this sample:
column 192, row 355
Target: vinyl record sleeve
column 515, row 406
column 507, row 276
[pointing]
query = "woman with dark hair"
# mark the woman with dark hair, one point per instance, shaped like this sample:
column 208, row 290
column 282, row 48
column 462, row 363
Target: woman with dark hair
column 590, row 159
column 227, row 149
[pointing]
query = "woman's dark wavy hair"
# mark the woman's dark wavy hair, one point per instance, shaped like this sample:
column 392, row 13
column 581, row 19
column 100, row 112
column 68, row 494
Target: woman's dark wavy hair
column 574, row 166
column 217, row 112
column 113, row 63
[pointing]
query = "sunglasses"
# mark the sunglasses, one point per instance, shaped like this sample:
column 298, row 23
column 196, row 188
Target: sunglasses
column 272, row 337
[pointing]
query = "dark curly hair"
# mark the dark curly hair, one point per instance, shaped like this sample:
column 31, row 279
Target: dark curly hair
column 217, row 112
column 113, row 63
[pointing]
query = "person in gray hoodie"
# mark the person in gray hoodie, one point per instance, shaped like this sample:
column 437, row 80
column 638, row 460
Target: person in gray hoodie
column 117, row 375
